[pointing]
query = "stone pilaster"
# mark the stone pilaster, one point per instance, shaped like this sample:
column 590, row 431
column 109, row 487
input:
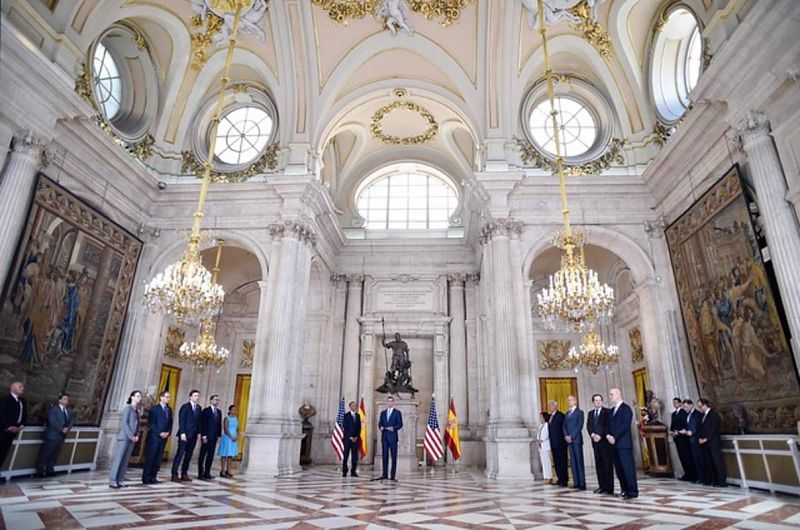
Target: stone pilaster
column 17, row 185
column 350, row 386
column 366, row 382
column 458, row 348
column 474, row 389
column 440, row 375
column 780, row 225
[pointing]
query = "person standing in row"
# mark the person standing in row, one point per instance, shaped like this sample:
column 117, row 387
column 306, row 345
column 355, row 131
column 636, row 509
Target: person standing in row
column 351, row 432
column 13, row 415
column 711, row 442
column 59, row 423
column 188, row 430
column 573, row 427
column 391, row 421
column 210, row 432
column 619, row 436
column 677, row 426
column 597, row 425
column 692, row 433
column 557, row 443
column 229, row 446
column 160, row 428
column 127, row 436
column 544, row 447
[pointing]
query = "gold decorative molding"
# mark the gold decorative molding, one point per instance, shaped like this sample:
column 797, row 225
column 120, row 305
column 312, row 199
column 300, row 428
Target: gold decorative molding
column 248, row 348
column 141, row 150
column 377, row 130
column 637, row 348
column 342, row 11
column 267, row 163
column 203, row 29
column 592, row 31
column 83, row 85
column 554, row 355
column 532, row 157
column 175, row 337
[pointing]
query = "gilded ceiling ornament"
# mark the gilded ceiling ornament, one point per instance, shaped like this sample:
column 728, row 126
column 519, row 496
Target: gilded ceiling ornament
column 637, row 348
column 377, row 130
column 557, row 10
column 204, row 28
column 393, row 13
column 533, row 158
column 248, row 347
column 83, row 85
column 249, row 22
column 141, row 149
column 554, row 355
column 266, row 163
column 172, row 346
column 593, row 32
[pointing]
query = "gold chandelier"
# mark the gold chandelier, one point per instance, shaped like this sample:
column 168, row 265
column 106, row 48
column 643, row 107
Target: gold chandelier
column 186, row 289
column 575, row 298
column 593, row 353
column 205, row 352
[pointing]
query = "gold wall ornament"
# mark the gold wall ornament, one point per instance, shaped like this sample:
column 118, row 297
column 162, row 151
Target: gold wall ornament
column 377, row 130
column 203, row 31
column 554, row 355
column 532, row 157
column 141, row 149
column 448, row 10
column 248, row 349
column 592, row 31
column 343, row 11
column 637, row 347
column 175, row 337
column 83, row 85
column 266, row 163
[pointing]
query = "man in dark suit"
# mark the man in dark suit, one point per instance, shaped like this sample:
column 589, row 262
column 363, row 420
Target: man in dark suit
column 573, row 427
column 13, row 415
column 159, row 421
column 390, row 421
column 210, row 433
column 557, row 443
column 619, row 436
column 352, row 431
column 597, row 426
column 188, row 430
column 59, row 422
column 692, row 435
column 711, row 442
column 678, row 424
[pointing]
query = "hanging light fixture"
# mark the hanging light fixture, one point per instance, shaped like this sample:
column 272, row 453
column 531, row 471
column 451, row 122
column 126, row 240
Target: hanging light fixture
column 186, row 289
column 593, row 353
column 205, row 352
column 575, row 298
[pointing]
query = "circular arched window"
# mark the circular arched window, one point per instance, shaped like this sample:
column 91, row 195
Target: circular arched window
column 676, row 64
column 406, row 197
column 107, row 81
column 242, row 135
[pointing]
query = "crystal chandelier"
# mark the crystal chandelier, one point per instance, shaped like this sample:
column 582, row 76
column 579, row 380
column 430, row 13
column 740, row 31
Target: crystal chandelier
column 593, row 353
column 575, row 298
column 205, row 351
column 185, row 289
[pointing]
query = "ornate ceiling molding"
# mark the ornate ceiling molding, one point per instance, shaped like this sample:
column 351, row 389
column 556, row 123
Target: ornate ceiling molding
column 376, row 128
column 533, row 158
column 266, row 163
column 393, row 13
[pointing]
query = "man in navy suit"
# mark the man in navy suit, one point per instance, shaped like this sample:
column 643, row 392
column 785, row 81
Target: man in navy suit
column 188, row 429
column 557, row 443
column 573, row 425
column 59, row 422
column 391, row 421
column 678, row 424
column 710, row 441
column 619, row 436
column 159, row 422
column 597, row 426
column 692, row 433
column 352, row 432
column 210, row 432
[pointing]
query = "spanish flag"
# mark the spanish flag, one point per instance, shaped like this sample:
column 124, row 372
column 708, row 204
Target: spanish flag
column 451, row 432
column 362, row 439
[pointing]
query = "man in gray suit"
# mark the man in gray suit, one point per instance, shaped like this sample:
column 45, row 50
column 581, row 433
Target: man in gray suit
column 59, row 422
column 127, row 436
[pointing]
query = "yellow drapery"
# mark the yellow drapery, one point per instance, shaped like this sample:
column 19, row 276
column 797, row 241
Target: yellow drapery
column 242, row 398
column 557, row 388
column 170, row 377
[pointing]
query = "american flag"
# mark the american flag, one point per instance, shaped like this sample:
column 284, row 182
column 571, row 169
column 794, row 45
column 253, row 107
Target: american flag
column 338, row 434
column 433, row 438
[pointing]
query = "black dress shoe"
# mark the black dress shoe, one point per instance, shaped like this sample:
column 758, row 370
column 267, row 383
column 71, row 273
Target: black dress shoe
column 114, row 486
column 599, row 490
column 581, row 488
column 344, row 475
column 622, row 495
column 354, row 475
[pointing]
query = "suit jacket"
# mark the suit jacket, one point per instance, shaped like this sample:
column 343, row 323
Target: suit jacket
column 573, row 426
column 710, row 429
column 9, row 412
column 693, row 424
column 601, row 428
column 396, row 421
column 129, row 427
column 678, row 420
column 556, row 428
column 211, row 423
column 352, row 426
column 620, row 427
column 189, row 420
column 56, row 420
column 159, row 420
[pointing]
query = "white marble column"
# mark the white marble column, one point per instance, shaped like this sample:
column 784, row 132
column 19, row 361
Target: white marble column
column 473, row 366
column 17, row 186
column 458, row 349
column 331, row 373
column 780, row 224
column 507, row 439
column 441, row 389
column 352, row 329
column 524, row 334
column 273, row 431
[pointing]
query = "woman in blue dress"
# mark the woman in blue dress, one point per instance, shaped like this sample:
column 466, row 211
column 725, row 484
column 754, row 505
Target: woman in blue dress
column 229, row 446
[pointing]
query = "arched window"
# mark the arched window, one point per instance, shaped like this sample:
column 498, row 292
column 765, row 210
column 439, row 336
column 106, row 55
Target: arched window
column 242, row 135
column 407, row 197
column 576, row 126
column 107, row 82
column 676, row 64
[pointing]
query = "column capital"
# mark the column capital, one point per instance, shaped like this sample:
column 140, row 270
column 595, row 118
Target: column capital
column 293, row 229
column 262, row 284
column 754, row 126
column 501, row 227
column 474, row 277
column 336, row 278
column 456, row 279
column 26, row 144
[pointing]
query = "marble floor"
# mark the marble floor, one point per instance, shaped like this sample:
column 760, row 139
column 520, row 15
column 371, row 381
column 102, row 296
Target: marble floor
column 321, row 498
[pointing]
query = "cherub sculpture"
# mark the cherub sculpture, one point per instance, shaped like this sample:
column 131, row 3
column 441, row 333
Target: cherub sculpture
column 249, row 22
column 396, row 15
column 558, row 10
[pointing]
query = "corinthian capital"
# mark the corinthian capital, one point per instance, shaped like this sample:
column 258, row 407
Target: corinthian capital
column 294, row 230
column 26, row 144
column 753, row 126
column 503, row 227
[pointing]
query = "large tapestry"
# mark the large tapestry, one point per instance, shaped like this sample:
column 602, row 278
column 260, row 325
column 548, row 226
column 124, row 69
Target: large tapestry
column 739, row 348
column 64, row 304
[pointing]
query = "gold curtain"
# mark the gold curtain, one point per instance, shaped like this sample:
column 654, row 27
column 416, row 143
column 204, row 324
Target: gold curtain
column 641, row 384
column 242, row 398
column 557, row 388
column 170, row 377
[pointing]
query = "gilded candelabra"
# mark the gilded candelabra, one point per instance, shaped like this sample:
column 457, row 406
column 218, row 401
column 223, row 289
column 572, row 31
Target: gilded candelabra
column 593, row 353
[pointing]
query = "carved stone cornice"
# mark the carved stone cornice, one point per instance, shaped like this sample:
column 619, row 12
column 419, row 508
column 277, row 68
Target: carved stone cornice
column 355, row 280
column 28, row 145
column 754, row 126
column 294, row 230
column 456, row 279
column 503, row 227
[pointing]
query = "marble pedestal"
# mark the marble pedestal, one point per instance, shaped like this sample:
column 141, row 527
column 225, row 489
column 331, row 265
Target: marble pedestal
column 407, row 445
column 272, row 454
column 508, row 453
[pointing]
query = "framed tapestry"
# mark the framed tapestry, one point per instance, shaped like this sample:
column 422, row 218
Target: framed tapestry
column 65, row 303
column 739, row 347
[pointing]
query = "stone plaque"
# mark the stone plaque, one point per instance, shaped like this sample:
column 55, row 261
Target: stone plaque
column 404, row 298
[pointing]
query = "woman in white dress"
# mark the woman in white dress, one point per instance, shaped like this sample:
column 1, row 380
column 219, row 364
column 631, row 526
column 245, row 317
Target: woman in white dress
column 544, row 447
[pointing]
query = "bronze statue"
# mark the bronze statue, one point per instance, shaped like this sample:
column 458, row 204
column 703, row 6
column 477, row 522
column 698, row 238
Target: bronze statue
column 398, row 374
